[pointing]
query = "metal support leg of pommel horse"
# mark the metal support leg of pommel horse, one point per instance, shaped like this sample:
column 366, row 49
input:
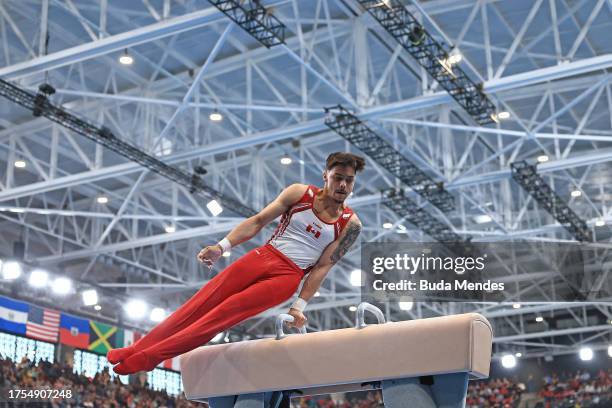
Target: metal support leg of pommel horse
column 275, row 399
column 438, row 391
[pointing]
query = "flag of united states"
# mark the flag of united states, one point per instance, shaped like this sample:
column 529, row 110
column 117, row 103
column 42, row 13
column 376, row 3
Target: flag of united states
column 43, row 324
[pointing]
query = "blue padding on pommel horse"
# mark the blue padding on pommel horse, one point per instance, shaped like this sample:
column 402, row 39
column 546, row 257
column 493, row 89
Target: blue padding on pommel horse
column 447, row 391
column 438, row 391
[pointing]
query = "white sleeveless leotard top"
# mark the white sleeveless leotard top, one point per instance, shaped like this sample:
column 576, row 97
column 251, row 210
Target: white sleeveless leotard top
column 302, row 236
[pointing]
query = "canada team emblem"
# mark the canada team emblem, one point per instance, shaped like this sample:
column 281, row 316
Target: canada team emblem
column 313, row 231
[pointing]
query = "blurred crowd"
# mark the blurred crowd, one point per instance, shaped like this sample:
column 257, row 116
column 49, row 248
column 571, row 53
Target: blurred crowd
column 101, row 391
column 497, row 393
column 580, row 389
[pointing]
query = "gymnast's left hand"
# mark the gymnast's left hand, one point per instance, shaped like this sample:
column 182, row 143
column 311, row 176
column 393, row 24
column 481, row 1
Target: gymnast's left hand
column 298, row 318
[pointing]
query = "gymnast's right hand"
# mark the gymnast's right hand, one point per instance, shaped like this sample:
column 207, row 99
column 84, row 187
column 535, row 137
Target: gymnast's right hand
column 209, row 255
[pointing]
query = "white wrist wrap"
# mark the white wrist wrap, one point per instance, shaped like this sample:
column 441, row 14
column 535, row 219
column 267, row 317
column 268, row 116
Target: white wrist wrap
column 225, row 244
column 299, row 304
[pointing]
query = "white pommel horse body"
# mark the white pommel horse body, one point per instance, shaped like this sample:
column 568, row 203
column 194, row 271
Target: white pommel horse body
column 418, row 364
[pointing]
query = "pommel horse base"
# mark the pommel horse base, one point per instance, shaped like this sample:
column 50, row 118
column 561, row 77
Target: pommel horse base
column 418, row 364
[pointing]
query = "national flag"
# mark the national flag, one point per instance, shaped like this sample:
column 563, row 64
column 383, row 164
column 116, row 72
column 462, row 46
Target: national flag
column 74, row 331
column 13, row 315
column 43, row 324
column 104, row 337
column 118, row 338
column 171, row 364
column 130, row 337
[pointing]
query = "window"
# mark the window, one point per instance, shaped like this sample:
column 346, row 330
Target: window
column 7, row 346
column 88, row 364
column 165, row 380
column 16, row 347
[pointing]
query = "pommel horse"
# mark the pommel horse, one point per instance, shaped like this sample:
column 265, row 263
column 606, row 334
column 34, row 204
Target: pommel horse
column 418, row 364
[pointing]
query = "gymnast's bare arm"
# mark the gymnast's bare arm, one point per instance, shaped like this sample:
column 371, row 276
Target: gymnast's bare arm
column 332, row 254
column 248, row 228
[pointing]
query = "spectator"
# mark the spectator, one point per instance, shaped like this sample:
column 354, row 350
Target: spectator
column 101, row 391
column 580, row 389
column 569, row 390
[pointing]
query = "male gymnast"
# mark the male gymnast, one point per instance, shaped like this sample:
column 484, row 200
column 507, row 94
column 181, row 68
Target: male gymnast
column 316, row 229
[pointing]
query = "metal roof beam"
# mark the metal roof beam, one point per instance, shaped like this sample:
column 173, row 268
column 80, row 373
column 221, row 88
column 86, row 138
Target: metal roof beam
column 551, row 333
column 142, row 242
column 118, row 42
column 317, row 125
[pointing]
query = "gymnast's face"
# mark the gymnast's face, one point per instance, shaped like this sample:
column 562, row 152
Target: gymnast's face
column 339, row 182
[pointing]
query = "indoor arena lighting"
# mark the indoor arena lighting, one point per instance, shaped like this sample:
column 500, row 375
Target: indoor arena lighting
column 412, row 212
column 539, row 319
column 576, row 193
column 286, row 160
column 102, row 199
column 98, row 307
column 610, row 351
column 354, row 130
column 170, row 228
column 516, row 305
column 600, row 223
column 40, row 105
column 384, row 3
column 482, row 219
column 90, row 297
column 542, row 159
column 508, row 361
column 126, row 59
column 455, row 58
column 406, row 305
column 136, row 309
column 518, row 355
column 62, row 286
column 214, row 207
column 20, row 164
column 157, row 314
column 433, row 56
column 586, row 354
column 503, row 115
column 353, row 308
column 356, row 277
column 255, row 19
column 11, row 270
column 526, row 175
column 215, row 116
column 387, row 225
column 38, row 278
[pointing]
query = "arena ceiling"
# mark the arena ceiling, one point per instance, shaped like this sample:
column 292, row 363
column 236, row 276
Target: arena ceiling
column 547, row 63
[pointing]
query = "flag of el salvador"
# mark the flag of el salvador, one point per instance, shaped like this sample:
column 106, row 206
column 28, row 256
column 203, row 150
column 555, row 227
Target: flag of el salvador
column 13, row 315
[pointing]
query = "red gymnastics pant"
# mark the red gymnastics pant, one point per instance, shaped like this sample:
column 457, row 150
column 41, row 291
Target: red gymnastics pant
column 257, row 281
